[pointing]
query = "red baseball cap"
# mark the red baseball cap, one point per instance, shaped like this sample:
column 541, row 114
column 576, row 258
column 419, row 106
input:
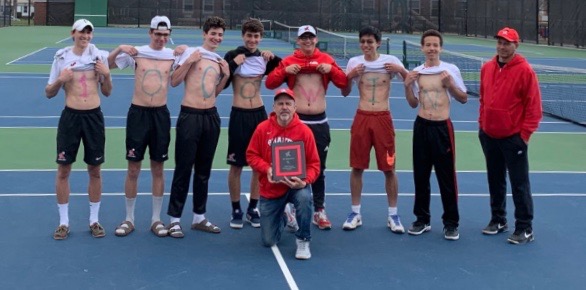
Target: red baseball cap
column 286, row 92
column 508, row 34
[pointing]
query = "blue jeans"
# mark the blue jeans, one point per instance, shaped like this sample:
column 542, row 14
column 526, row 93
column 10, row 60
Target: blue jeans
column 273, row 220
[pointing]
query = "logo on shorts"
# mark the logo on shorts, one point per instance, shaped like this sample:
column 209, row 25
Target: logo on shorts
column 327, row 148
column 61, row 156
column 390, row 159
column 131, row 153
column 231, row 157
column 99, row 158
column 72, row 64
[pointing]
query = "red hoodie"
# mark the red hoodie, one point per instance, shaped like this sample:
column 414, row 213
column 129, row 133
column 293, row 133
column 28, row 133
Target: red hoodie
column 259, row 154
column 308, row 65
column 510, row 99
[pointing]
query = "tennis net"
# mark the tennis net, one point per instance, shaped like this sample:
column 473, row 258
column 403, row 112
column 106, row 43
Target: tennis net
column 337, row 45
column 563, row 89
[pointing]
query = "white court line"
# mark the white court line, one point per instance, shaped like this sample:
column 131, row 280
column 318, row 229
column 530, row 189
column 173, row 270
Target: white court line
column 280, row 261
column 382, row 194
column 330, row 119
column 226, row 118
column 64, row 39
column 38, row 50
column 284, row 268
column 248, row 169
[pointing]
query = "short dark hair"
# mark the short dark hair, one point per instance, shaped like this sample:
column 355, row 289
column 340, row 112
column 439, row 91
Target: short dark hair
column 432, row 32
column 370, row 30
column 252, row 25
column 214, row 22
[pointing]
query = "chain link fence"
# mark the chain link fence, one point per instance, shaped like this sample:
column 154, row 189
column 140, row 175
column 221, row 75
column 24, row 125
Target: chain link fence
column 553, row 22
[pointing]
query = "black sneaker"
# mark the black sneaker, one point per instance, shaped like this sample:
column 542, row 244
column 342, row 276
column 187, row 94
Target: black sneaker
column 521, row 236
column 236, row 221
column 494, row 228
column 418, row 228
column 451, row 233
column 253, row 217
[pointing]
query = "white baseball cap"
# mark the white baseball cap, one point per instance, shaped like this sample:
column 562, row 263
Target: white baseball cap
column 161, row 23
column 80, row 24
column 306, row 29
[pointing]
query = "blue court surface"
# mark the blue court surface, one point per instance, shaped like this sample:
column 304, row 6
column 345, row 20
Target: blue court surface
column 371, row 257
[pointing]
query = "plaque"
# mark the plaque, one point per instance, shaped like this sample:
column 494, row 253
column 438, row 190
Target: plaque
column 288, row 160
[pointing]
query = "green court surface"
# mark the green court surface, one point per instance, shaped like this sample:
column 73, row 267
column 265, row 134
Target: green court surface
column 24, row 148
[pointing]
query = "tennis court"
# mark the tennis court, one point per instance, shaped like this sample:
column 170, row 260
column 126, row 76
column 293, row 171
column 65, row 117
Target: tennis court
column 370, row 256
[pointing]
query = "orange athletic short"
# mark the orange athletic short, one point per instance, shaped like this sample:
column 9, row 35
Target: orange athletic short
column 372, row 129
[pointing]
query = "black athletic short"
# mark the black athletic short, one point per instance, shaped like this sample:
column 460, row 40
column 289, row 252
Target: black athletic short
column 242, row 124
column 148, row 126
column 78, row 125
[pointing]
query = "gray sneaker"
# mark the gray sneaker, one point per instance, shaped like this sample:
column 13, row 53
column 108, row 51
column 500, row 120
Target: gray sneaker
column 451, row 233
column 418, row 228
column 494, row 228
column 521, row 236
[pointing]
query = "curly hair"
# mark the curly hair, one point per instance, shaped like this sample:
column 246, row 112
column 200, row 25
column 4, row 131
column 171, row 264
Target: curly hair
column 252, row 25
column 214, row 22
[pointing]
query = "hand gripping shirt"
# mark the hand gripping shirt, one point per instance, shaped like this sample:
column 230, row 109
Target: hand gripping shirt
column 65, row 58
column 375, row 66
column 124, row 60
column 451, row 69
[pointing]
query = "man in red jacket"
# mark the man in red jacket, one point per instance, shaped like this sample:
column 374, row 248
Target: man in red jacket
column 307, row 72
column 510, row 111
column 283, row 126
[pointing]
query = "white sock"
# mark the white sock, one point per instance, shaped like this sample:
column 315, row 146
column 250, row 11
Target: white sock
column 130, row 204
column 175, row 220
column 63, row 214
column 94, row 212
column 393, row 211
column 157, row 205
column 198, row 218
column 356, row 209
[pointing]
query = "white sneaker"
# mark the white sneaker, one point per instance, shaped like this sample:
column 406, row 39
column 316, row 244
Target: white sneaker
column 292, row 225
column 394, row 223
column 354, row 220
column 303, row 252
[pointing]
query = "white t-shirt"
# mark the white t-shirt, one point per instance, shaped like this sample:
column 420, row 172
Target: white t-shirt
column 253, row 66
column 65, row 58
column 204, row 54
column 376, row 66
column 124, row 60
column 453, row 70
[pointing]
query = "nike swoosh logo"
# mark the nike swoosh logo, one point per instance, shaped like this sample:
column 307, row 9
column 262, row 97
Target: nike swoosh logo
column 499, row 226
column 98, row 158
column 527, row 235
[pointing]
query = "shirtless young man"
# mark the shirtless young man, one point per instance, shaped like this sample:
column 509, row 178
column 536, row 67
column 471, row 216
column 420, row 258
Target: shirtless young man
column 80, row 70
column 248, row 65
column 148, row 123
column 431, row 86
column 307, row 72
column 205, row 74
column 373, row 126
